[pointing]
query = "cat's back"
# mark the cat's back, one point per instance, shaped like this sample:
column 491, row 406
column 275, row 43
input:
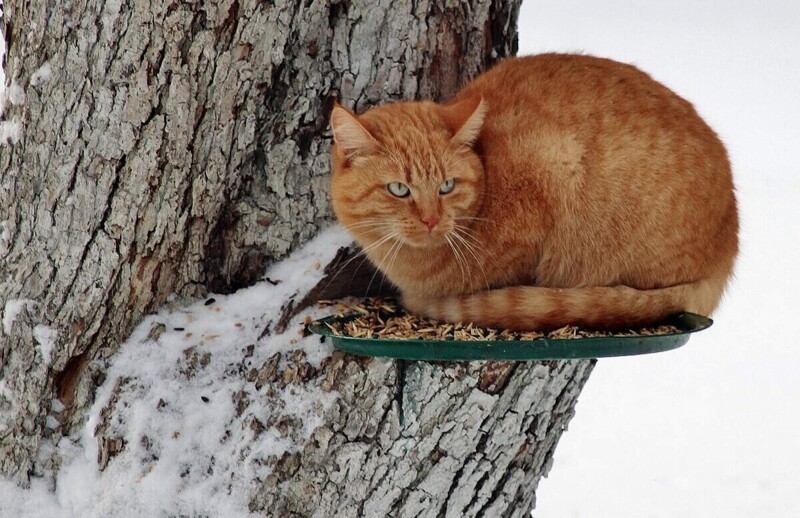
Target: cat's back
column 603, row 161
column 581, row 122
column 581, row 92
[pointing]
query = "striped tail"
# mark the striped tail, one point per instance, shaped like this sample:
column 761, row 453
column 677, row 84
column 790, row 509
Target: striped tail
column 533, row 308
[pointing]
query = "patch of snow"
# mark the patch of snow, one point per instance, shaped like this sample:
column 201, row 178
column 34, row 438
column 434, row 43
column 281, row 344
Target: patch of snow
column 41, row 76
column 56, row 405
column 46, row 337
column 15, row 94
column 10, row 132
column 11, row 311
column 189, row 448
column 36, row 502
column 51, row 423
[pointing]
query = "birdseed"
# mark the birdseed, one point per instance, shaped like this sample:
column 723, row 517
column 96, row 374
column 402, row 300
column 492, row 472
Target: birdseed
column 384, row 318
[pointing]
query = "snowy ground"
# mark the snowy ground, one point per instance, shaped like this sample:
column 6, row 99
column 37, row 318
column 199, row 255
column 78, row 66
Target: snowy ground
column 711, row 429
column 708, row 430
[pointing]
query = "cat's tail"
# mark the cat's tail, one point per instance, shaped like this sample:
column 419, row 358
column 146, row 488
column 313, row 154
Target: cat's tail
column 533, row 308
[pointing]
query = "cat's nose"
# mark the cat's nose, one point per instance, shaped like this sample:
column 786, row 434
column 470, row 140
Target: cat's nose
column 431, row 222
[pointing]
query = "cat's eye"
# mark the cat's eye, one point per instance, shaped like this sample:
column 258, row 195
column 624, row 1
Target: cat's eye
column 398, row 189
column 447, row 186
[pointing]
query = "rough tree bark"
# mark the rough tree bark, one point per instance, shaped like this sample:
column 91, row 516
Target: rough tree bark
column 411, row 439
column 179, row 147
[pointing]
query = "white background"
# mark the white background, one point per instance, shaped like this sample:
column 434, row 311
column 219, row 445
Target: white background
column 712, row 429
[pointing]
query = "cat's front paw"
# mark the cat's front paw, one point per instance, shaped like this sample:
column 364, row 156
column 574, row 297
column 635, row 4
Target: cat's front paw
column 442, row 309
column 420, row 306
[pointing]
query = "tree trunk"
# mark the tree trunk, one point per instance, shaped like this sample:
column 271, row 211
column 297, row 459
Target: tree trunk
column 179, row 147
column 411, row 439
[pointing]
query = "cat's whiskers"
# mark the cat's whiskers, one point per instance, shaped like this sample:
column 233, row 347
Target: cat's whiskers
column 392, row 260
column 382, row 266
column 469, row 233
column 462, row 234
column 364, row 227
column 460, row 259
column 363, row 254
column 369, row 223
column 361, row 231
column 452, row 249
column 374, row 246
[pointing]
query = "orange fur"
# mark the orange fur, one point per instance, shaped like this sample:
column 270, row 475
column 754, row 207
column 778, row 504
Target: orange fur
column 585, row 193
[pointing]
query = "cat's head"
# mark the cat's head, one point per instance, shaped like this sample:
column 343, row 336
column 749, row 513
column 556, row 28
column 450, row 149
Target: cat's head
column 407, row 170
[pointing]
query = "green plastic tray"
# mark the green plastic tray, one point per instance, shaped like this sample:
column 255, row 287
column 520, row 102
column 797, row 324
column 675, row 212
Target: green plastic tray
column 538, row 349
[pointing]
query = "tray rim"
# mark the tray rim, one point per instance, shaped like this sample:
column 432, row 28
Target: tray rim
column 537, row 349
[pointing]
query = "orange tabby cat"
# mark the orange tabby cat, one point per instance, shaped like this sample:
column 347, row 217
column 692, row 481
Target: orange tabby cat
column 552, row 190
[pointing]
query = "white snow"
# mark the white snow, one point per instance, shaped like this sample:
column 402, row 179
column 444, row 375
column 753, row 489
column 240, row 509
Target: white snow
column 710, row 429
column 46, row 337
column 199, row 458
column 15, row 94
column 10, row 132
column 41, row 76
column 11, row 311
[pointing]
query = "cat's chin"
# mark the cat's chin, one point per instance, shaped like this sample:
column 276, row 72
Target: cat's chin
column 424, row 241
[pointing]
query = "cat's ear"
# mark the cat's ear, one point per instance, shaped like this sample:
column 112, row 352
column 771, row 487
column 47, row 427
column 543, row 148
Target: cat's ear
column 352, row 139
column 465, row 120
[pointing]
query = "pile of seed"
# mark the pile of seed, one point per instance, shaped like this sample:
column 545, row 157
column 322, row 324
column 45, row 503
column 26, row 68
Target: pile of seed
column 384, row 318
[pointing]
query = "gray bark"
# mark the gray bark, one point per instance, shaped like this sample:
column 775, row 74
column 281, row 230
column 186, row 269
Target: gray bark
column 411, row 439
column 179, row 147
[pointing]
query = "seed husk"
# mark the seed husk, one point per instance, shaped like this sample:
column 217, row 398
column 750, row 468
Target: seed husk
column 385, row 319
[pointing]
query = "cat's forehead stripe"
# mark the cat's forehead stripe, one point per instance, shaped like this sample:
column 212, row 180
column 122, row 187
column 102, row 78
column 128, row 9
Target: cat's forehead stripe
column 418, row 162
column 414, row 139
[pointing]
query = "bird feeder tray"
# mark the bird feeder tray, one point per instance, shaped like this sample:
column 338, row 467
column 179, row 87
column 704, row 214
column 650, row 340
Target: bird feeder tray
column 535, row 349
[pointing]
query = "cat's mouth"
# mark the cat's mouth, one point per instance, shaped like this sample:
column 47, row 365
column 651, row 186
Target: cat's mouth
column 426, row 238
